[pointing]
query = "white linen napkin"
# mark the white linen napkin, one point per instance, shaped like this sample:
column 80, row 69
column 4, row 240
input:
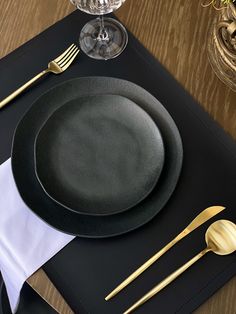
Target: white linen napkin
column 26, row 242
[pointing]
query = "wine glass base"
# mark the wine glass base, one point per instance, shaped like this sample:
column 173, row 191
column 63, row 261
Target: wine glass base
column 103, row 45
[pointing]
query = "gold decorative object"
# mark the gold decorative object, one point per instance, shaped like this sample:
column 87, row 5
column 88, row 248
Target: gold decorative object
column 220, row 238
column 56, row 66
column 216, row 4
column 204, row 216
column 222, row 46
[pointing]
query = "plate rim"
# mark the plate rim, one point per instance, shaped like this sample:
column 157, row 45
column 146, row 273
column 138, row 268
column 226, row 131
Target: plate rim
column 100, row 81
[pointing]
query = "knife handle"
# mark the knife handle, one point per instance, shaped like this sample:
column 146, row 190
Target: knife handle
column 147, row 264
column 41, row 283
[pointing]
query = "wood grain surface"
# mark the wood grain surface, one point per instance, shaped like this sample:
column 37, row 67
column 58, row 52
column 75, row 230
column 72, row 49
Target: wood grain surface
column 42, row 284
column 176, row 33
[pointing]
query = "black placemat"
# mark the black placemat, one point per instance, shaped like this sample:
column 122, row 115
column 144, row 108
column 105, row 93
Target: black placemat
column 88, row 269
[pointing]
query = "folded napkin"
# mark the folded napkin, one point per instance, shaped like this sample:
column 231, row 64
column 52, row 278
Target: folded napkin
column 26, row 242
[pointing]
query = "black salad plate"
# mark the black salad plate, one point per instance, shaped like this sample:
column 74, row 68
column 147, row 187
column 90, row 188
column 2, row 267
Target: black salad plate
column 55, row 214
column 99, row 155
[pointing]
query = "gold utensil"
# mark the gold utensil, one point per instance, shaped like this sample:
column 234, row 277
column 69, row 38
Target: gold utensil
column 57, row 66
column 40, row 282
column 220, row 238
column 197, row 222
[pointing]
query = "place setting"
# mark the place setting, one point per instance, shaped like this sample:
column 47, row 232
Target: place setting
column 112, row 183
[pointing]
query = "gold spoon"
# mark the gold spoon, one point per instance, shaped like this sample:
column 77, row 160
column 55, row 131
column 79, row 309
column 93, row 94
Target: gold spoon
column 220, row 238
column 200, row 219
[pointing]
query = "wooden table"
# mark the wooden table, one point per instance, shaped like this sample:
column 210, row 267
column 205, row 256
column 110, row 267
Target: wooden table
column 176, row 33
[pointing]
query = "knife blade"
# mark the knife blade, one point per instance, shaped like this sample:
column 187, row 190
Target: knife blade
column 204, row 216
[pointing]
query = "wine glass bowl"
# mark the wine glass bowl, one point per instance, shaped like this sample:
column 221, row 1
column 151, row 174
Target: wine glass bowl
column 102, row 38
column 97, row 7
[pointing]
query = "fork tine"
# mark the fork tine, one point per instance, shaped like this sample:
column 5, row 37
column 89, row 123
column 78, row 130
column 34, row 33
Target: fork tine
column 68, row 63
column 67, row 56
column 64, row 53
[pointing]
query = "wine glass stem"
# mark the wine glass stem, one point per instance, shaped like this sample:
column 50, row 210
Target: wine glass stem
column 103, row 34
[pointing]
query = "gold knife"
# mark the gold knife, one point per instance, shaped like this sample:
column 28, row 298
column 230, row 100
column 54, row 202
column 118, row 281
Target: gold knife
column 40, row 282
column 204, row 216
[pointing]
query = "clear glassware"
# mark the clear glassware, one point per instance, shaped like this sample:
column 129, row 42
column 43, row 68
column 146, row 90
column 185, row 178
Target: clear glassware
column 102, row 38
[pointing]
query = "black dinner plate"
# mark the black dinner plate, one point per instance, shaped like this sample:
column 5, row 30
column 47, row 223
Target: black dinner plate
column 99, row 155
column 86, row 225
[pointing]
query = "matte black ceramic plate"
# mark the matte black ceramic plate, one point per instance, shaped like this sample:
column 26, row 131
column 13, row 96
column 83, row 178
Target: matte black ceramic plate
column 99, row 155
column 85, row 225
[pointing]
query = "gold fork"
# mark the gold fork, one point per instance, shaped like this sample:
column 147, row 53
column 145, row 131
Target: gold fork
column 56, row 66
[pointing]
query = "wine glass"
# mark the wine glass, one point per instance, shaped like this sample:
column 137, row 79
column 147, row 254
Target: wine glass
column 102, row 38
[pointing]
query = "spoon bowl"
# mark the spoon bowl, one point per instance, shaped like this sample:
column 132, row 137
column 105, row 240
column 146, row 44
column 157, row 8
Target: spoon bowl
column 221, row 237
